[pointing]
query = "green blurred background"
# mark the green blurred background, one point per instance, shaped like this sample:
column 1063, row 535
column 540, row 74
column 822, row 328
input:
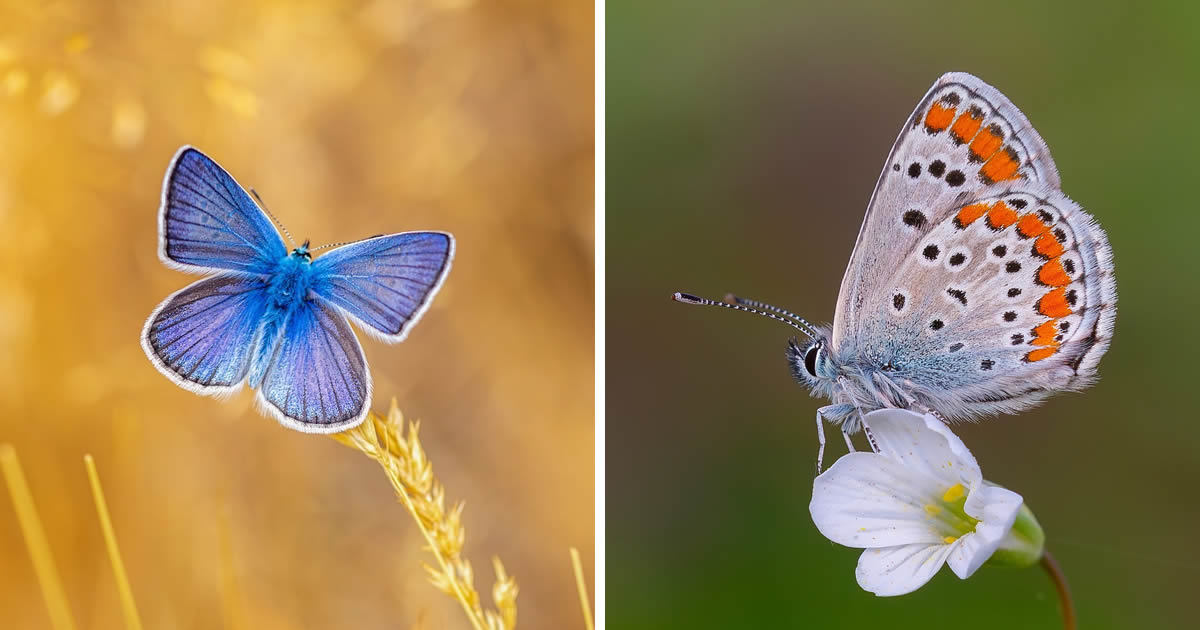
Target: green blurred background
column 350, row 118
column 744, row 140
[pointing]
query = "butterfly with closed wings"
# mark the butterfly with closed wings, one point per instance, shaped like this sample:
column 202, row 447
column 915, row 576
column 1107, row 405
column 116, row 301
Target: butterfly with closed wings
column 976, row 286
column 274, row 319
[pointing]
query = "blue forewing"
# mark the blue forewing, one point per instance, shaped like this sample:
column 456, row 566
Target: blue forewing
column 386, row 282
column 207, row 221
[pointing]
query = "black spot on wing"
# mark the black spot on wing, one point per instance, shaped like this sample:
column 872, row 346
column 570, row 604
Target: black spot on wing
column 915, row 218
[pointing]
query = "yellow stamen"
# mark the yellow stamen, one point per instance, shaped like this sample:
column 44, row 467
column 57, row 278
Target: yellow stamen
column 933, row 510
column 949, row 539
column 955, row 493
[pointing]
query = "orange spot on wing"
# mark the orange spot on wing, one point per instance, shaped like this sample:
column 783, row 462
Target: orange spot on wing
column 1001, row 216
column 967, row 126
column 1054, row 303
column 1043, row 335
column 1052, row 274
column 986, row 143
column 1030, row 225
column 1002, row 165
column 1041, row 353
column 1048, row 246
column 970, row 213
column 939, row 117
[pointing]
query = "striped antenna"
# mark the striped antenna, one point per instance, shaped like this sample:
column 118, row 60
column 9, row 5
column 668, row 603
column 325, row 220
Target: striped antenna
column 777, row 315
column 317, row 249
column 733, row 299
column 277, row 222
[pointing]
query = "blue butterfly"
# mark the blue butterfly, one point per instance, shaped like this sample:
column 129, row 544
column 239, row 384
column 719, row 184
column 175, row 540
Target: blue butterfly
column 275, row 319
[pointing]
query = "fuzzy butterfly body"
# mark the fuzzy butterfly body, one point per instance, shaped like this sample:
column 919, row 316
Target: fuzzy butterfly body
column 274, row 319
column 975, row 286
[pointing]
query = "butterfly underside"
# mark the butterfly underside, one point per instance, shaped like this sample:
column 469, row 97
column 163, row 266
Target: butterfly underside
column 976, row 286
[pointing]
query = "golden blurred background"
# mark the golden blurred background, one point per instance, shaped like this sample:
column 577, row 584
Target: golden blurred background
column 350, row 119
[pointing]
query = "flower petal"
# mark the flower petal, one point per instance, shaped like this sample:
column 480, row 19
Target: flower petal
column 865, row 500
column 923, row 443
column 899, row 570
column 996, row 508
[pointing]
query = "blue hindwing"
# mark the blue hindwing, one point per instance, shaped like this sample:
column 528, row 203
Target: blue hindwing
column 202, row 337
column 316, row 380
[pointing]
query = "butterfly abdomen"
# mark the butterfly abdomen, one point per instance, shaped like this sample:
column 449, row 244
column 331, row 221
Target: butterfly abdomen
column 288, row 289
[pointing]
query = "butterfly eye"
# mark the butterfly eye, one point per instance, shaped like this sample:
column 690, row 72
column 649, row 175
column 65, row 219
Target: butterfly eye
column 810, row 359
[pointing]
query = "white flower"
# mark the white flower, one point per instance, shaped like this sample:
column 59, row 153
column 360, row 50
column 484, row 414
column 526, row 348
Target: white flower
column 916, row 504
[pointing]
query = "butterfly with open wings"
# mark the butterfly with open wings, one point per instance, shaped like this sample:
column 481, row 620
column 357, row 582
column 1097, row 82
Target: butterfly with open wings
column 274, row 319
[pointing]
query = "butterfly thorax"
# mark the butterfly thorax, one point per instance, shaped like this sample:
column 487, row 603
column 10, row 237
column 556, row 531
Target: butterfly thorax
column 292, row 280
column 856, row 385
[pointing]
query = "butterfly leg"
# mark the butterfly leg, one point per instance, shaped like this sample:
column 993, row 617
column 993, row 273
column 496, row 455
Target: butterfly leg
column 849, row 442
column 820, row 439
column 836, row 414
column 870, row 437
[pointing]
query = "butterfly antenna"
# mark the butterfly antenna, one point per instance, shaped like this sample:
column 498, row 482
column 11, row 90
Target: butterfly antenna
column 277, row 221
column 317, row 249
column 688, row 298
column 733, row 299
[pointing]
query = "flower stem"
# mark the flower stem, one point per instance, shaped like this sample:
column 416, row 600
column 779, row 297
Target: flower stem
column 1060, row 584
